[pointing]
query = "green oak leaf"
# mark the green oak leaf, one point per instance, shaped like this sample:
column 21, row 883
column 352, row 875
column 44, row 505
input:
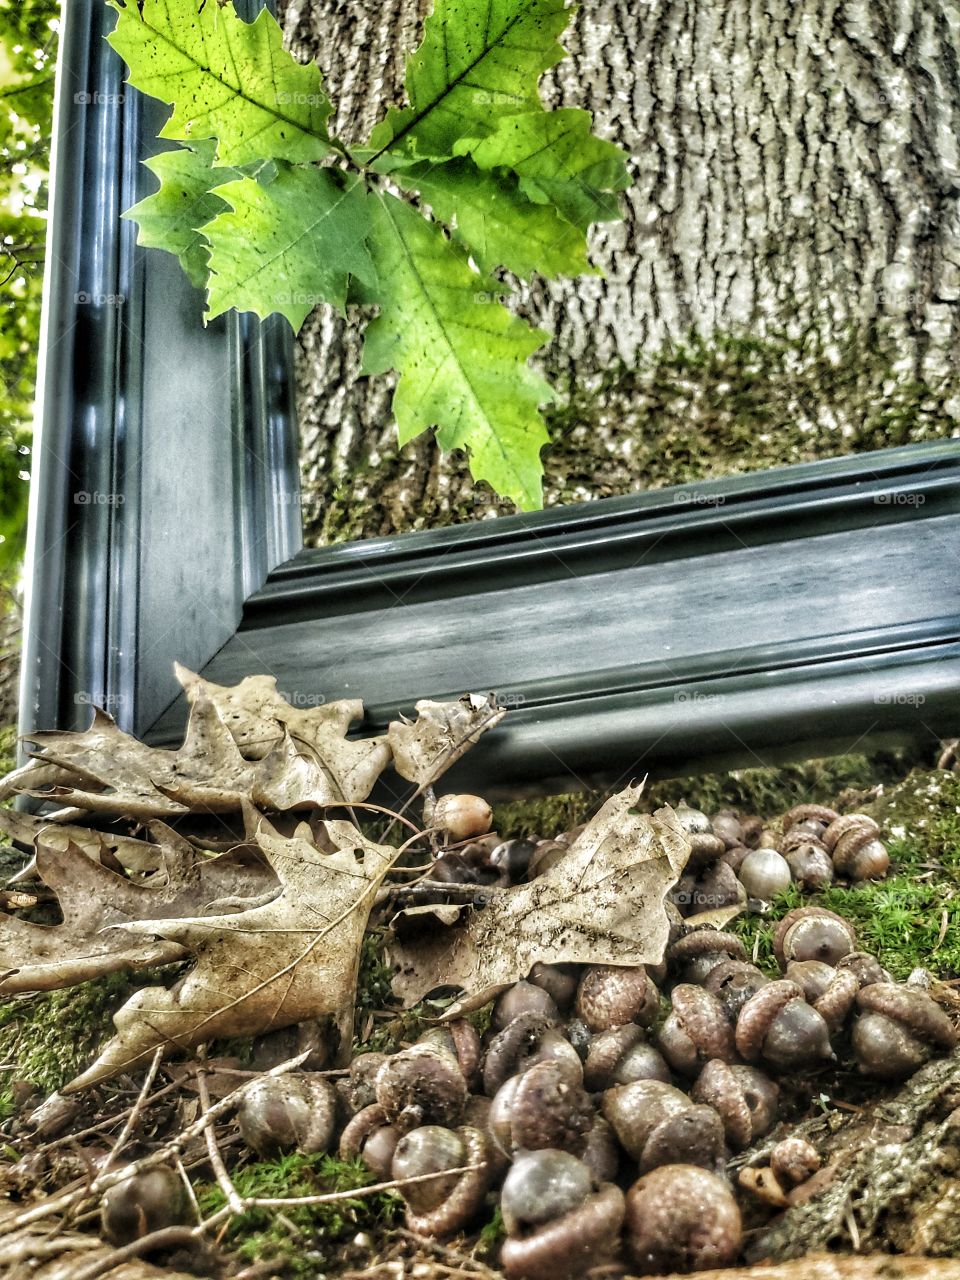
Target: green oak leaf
column 496, row 222
column 461, row 356
column 477, row 62
column 288, row 244
column 558, row 161
column 171, row 218
column 226, row 79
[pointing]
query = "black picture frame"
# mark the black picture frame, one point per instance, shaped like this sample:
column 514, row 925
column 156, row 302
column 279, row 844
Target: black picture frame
column 799, row 611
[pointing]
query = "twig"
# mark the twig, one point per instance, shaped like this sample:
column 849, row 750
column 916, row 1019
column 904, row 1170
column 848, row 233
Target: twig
column 224, row 1181
column 169, row 1150
column 188, row 1187
column 166, row 1238
column 136, row 1109
column 358, row 1193
column 460, row 1260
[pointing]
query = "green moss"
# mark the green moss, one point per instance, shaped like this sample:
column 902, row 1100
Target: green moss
column 303, row 1240
column 8, row 749
column 734, row 403
column 53, row 1035
column 911, row 918
column 767, row 792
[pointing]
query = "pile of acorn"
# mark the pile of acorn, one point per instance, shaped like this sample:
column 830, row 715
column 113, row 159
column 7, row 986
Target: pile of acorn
column 604, row 1104
column 733, row 859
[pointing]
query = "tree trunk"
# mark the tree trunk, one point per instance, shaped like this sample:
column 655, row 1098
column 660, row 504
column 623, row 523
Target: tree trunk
column 784, row 284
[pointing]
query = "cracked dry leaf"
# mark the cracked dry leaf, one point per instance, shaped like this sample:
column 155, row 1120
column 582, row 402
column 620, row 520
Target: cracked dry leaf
column 602, row 903
column 129, row 852
column 45, row 957
column 329, row 766
column 107, row 771
column 425, row 748
column 133, row 780
column 94, row 900
column 294, row 959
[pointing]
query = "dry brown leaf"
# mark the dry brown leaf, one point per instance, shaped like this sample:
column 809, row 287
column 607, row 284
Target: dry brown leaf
column 94, row 899
column 113, row 774
column 130, row 779
column 425, row 748
column 26, row 828
column 602, row 903
column 291, row 960
column 329, row 765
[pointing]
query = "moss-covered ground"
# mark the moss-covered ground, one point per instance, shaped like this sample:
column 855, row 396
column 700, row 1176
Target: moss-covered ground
column 307, row 1240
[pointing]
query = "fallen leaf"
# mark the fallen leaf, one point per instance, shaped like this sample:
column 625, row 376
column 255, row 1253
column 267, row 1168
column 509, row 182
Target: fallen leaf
column 94, row 900
column 26, row 828
column 132, row 780
column 293, row 959
column 329, row 768
column 425, row 748
column 602, row 903
column 208, row 774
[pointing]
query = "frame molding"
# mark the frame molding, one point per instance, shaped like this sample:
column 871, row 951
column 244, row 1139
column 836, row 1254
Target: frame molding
column 797, row 611
column 158, row 443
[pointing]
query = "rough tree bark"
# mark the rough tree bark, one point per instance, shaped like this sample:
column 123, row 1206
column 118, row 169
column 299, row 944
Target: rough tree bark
column 793, row 223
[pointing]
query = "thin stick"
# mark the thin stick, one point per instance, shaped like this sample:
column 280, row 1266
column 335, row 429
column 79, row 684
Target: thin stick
column 136, row 1109
column 162, row 1155
column 332, row 1197
column 224, row 1181
column 166, row 1238
column 188, row 1187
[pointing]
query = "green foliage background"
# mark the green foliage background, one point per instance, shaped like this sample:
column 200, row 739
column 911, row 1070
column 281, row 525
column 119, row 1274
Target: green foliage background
column 28, row 46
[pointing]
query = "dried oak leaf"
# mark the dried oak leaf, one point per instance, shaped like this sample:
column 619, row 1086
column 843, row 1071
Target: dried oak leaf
column 107, row 771
column 602, row 903
column 425, row 748
column 317, row 764
column 117, row 775
column 291, row 960
column 128, row 851
column 94, row 900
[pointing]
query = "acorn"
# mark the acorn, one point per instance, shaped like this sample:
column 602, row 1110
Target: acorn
column 288, row 1113
column 142, row 1203
column 681, row 1218
column 764, row 873
column 442, row 1206
column 462, row 817
column 779, row 1025
column 897, row 1030
column 558, row 1227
